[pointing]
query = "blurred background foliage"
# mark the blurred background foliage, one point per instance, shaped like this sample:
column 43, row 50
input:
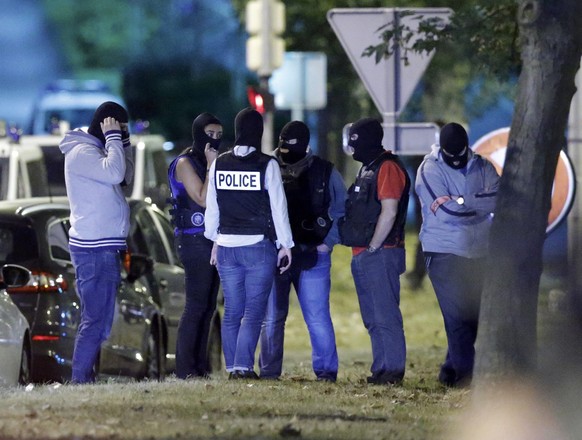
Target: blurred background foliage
column 173, row 59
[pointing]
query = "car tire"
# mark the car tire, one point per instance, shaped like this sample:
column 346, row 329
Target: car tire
column 25, row 371
column 155, row 365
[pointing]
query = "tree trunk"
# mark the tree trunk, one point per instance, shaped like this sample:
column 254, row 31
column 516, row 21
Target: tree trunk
column 551, row 40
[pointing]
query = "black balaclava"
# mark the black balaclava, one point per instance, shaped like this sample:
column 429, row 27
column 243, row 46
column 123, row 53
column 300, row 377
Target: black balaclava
column 365, row 137
column 199, row 136
column 454, row 144
column 294, row 138
column 108, row 109
column 248, row 128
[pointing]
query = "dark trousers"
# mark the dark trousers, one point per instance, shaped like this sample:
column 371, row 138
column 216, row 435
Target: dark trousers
column 457, row 282
column 202, row 284
column 377, row 281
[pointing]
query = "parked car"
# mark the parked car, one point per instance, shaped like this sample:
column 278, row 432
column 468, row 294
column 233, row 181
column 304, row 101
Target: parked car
column 35, row 235
column 22, row 171
column 152, row 234
column 34, row 167
column 15, row 343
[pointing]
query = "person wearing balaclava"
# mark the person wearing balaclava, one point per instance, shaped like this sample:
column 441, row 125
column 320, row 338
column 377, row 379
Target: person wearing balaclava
column 188, row 179
column 374, row 227
column 457, row 191
column 96, row 164
column 316, row 196
column 246, row 217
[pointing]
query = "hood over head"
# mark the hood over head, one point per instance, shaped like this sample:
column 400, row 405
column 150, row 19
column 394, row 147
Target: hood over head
column 108, row 109
column 76, row 137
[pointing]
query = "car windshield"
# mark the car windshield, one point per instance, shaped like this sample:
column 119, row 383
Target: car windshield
column 18, row 244
column 76, row 117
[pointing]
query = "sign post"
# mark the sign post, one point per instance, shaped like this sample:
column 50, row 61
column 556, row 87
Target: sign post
column 265, row 22
column 390, row 82
column 300, row 83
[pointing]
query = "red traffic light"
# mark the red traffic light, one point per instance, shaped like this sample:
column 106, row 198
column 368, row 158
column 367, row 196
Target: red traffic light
column 256, row 99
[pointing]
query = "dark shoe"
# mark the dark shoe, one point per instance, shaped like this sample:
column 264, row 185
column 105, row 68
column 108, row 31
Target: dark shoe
column 447, row 376
column 385, row 378
column 240, row 374
column 326, row 379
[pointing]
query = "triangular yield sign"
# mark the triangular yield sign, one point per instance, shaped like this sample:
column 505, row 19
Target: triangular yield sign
column 391, row 81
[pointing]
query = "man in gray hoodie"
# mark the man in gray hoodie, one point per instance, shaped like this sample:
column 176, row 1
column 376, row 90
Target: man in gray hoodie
column 97, row 163
column 457, row 191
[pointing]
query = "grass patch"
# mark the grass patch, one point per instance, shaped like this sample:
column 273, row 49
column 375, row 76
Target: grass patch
column 296, row 406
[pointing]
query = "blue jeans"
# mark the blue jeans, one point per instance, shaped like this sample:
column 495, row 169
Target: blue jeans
column 457, row 282
column 377, row 280
column 202, row 284
column 247, row 274
column 98, row 275
column 312, row 286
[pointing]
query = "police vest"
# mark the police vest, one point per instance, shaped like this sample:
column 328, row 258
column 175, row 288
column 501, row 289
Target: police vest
column 243, row 200
column 308, row 200
column 363, row 208
column 187, row 215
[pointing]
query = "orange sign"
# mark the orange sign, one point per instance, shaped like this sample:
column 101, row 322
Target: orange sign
column 493, row 146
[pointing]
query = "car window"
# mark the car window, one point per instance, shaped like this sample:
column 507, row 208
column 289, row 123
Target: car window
column 146, row 238
column 4, row 164
column 54, row 161
column 58, row 239
column 156, row 177
column 76, row 117
column 38, row 180
column 18, row 244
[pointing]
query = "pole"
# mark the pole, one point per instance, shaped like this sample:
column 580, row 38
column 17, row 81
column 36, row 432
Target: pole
column 267, row 141
column 397, row 89
column 297, row 110
column 575, row 217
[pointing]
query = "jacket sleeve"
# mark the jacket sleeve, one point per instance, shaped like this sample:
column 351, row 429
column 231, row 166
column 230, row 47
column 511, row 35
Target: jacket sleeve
column 435, row 195
column 278, row 201
column 337, row 206
column 486, row 183
column 105, row 165
column 212, row 213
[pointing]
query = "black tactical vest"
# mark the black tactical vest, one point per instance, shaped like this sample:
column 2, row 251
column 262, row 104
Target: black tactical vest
column 308, row 200
column 242, row 198
column 363, row 207
column 187, row 215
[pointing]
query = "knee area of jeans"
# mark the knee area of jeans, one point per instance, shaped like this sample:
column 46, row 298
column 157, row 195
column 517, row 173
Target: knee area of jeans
column 274, row 324
column 92, row 330
column 319, row 325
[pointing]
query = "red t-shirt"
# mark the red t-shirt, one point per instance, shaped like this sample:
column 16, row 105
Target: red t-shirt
column 391, row 183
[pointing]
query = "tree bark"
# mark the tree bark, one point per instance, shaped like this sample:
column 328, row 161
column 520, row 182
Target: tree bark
column 551, row 41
